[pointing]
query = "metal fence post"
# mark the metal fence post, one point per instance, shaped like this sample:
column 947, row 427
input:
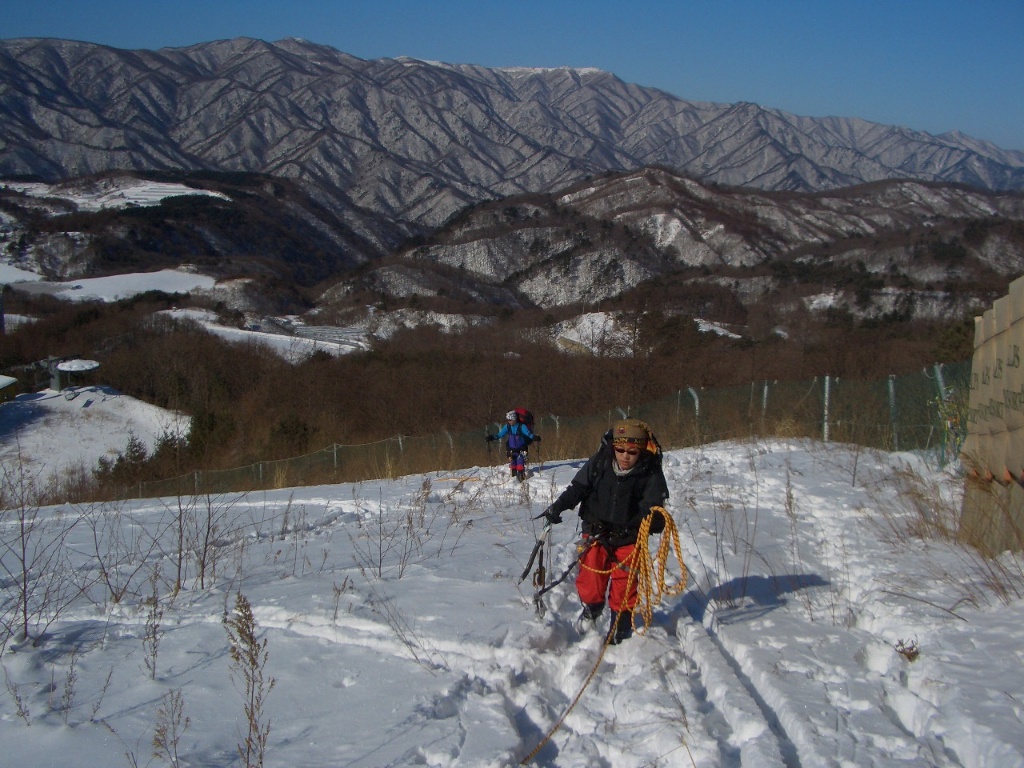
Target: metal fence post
column 940, row 381
column 828, row 386
column 696, row 413
column 892, row 412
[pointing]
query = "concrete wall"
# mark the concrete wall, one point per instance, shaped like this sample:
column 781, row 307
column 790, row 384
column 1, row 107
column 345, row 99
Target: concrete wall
column 993, row 452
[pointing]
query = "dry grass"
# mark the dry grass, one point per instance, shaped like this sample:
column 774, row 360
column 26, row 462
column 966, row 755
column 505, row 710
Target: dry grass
column 914, row 506
column 908, row 649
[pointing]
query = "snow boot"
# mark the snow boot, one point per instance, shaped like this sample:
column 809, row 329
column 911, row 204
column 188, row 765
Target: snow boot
column 620, row 628
column 521, row 475
column 588, row 619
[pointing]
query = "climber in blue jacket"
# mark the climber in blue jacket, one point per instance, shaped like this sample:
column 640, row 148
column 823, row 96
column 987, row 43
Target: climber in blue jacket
column 519, row 437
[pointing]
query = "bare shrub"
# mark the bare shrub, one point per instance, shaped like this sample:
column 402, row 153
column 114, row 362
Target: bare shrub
column 211, row 520
column 152, row 632
column 171, row 724
column 338, row 591
column 391, row 534
column 121, row 547
column 788, row 427
column 908, row 649
column 34, row 558
column 67, row 698
column 20, row 706
column 248, row 661
column 181, row 523
column 99, row 699
column 922, row 511
column 381, row 604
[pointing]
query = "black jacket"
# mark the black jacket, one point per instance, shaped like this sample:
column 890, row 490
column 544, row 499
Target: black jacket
column 616, row 504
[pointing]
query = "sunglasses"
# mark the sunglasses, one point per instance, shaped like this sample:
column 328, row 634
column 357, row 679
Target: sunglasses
column 630, row 451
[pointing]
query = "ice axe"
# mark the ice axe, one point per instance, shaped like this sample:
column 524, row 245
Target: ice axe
column 537, row 551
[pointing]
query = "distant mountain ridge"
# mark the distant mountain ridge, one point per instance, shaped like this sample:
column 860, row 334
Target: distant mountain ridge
column 944, row 248
column 340, row 181
column 413, row 141
column 598, row 240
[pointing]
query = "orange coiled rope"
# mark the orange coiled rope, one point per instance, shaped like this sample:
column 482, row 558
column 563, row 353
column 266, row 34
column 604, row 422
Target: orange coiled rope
column 650, row 573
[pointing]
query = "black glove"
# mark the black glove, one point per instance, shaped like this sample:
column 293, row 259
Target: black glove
column 491, row 438
column 553, row 516
column 536, row 438
column 657, row 522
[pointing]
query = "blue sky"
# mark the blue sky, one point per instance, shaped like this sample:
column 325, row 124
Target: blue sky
column 931, row 65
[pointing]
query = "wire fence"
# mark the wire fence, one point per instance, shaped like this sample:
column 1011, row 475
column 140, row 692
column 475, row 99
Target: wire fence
column 920, row 412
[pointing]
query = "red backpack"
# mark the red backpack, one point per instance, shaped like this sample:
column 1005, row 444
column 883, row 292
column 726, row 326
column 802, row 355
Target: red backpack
column 525, row 417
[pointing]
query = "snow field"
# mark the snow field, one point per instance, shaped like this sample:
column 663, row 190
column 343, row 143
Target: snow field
column 398, row 634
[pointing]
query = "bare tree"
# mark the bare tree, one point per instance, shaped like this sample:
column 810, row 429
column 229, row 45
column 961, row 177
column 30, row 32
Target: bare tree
column 211, row 523
column 180, row 527
column 33, row 558
column 121, row 547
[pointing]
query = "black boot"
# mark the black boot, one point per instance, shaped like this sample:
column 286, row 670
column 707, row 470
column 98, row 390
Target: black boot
column 588, row 619
column 521, row 475
column 620, row 627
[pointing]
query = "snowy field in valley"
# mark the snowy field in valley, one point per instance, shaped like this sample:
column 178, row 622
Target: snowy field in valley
column 813, row 630
column 112, row 192
column 51, row 432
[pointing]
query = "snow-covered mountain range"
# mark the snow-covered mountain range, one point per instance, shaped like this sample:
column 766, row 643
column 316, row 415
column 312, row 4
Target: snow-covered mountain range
column 319, row 181
column 417, row 141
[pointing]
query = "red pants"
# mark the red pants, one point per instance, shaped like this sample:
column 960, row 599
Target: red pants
column 592, row 586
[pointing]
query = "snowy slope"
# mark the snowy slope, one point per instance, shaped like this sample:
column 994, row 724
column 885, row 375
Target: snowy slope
column 398, row 634
column 52, row 431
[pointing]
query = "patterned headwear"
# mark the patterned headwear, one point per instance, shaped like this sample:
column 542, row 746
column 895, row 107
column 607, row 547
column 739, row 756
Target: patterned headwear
column 630, row 431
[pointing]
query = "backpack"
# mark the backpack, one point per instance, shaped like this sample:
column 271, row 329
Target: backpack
column 525, row 417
